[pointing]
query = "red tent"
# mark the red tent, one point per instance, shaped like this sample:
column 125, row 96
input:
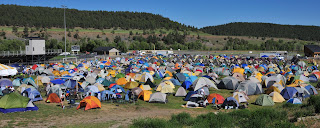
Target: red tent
column 34, row 67
column 218, row 98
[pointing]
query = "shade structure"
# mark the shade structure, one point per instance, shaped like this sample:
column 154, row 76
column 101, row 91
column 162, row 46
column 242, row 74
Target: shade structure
column 6, row 70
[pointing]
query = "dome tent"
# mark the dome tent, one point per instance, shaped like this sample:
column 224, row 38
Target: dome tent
column 14, row 102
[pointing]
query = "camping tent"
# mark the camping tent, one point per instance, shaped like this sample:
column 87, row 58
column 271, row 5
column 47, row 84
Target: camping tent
column 202, row 82
column 90, row 102
column 158, row 97
column 230, row 102
column 181, row 92
column 32, row 93
column 145, row 95
column 294, row 101
column 241, row 97
column 53, row 98
column 289, row 92
column 250, row 88
column 215, row 98
column 277, row 97
column 165, row 87
column 264, row 100
column 15, row 102
column 229, row 82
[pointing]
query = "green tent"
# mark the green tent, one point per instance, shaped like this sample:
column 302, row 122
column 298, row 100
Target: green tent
column 120, row 75
column 157, row 76
column 30, row 81
column 13, row 100
column 264, row 100
column 106, row 83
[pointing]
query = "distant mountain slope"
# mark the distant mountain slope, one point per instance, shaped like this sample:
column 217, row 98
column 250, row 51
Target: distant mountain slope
column 53, row 17
column 310, row 33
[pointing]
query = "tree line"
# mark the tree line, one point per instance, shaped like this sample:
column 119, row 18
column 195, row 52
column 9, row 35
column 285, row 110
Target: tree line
column 14, row 15
column 268, row 45
column 308, row 33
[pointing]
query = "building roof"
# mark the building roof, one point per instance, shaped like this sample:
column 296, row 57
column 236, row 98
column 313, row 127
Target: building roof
column 114, row 50
column 102, row 49
column 34, row 38
column 313, row 48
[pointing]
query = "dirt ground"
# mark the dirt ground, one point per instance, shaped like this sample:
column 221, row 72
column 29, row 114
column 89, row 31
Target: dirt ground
column 119, row 116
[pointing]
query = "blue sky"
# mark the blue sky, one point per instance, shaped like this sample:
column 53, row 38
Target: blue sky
column 200, row 13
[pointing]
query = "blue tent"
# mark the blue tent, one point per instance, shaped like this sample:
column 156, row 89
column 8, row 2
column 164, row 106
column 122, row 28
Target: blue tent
column 116, row 87
column 30, row 81
column 186, row 75
column 189, row 94
column 70, row 83
column 206, row 76
column 186, row 84
column 312, row 90
column 33, row 94
column 57, row 81
column 5, row 82
column 294, row 101
column 106, row 95
column 192, row 78
column 100, row 80
column 264, row 56
column 288, row 92
column 230, row 101
column 313, row 78
column 175, row 82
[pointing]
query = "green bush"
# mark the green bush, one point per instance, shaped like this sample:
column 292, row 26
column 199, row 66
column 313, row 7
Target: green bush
column 242, row 118
column 150, row 123
column 182, row 118
column 315, row 102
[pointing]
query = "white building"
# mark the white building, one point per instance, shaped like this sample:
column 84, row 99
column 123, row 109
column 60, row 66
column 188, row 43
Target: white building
column 36, row 46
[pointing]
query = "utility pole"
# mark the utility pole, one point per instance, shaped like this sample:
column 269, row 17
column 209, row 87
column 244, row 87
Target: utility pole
column 65, row 32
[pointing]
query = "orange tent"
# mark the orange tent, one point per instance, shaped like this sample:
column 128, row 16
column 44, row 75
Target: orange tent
column 145, row 95
column 218, row 98
column 53, row 98
column 121, row 81
column 90, row 102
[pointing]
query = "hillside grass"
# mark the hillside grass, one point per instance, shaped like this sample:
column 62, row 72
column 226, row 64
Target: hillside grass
column 119, row 31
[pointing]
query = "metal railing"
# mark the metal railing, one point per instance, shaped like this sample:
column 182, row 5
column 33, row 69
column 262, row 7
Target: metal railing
column 22, row 53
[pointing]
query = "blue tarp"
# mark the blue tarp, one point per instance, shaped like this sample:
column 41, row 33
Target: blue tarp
column 57, row 81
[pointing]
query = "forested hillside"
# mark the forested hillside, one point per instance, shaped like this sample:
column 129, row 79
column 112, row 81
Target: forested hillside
column 14, row 15
column 310, row 33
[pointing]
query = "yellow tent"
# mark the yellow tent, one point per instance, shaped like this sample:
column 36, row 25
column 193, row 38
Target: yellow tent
column 166, row 87
column 121, row 81
column 238, row 70
column 258, row 76
column 169, row 73
column 99, row 86
column 145, row 87
column 131, row 85
column 137, row 77
column 112, row 73
column 65, row 73
column 167, row 78
column 272, row 89
column 277, row 97
column 145, row 95
column 19, row 89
